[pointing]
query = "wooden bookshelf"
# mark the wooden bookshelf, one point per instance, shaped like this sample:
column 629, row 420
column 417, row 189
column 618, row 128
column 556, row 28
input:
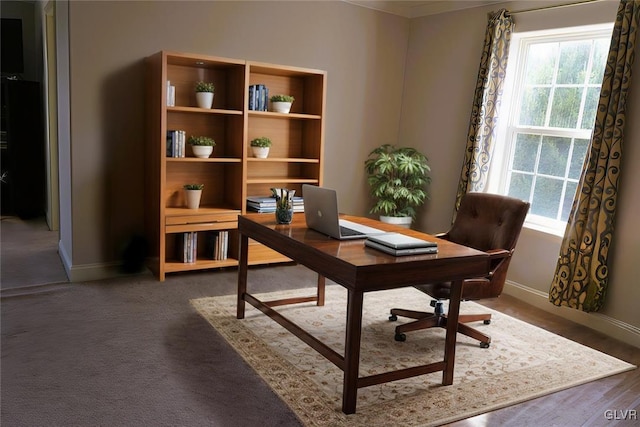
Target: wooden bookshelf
column 231, row 174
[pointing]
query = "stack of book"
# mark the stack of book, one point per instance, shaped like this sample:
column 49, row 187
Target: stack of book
column 217, row 244
column 187, row 247
column 176, row 141
column 268, row 204
column 258, row 97
column 399, row 244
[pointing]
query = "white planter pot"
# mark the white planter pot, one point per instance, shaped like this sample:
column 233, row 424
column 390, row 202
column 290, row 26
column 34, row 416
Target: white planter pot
column 260, row 152
column 202, row 151
column 402, row 221
column 193, row 198
column 281, row 107
column 204, row 99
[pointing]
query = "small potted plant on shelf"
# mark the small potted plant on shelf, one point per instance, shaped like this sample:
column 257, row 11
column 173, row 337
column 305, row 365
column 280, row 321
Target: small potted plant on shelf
column 260, row 147
column 204, row 94
column 397, row 177
column 202, row 146
column 281, row 103
column 193, row 193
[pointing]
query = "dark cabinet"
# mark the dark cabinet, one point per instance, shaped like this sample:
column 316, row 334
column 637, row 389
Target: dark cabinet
column 22, row 149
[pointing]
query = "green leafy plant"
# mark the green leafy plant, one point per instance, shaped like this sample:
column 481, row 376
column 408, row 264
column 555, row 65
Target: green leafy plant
column 193, row 186
column 205, row 87
column 202, row 140
column 397, row 177
column 263, row 141
column 282, row 98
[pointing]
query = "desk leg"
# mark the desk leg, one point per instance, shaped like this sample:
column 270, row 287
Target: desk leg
column 243, row 265
column 320, row 296
column 452, row 330
column 352, row 352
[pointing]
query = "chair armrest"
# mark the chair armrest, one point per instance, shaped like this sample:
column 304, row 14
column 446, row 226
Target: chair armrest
column 497, row 257
column 498, row 253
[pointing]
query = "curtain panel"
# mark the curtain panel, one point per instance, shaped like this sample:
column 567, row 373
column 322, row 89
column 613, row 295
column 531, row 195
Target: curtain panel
column 486, row 104
column 581, row 277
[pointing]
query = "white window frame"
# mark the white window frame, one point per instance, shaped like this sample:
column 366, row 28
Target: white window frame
column 503, row 150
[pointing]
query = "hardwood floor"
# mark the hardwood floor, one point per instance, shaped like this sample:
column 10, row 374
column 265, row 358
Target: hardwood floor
column 610, row 401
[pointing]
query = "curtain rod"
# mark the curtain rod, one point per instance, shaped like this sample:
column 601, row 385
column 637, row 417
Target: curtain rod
column 559, row 6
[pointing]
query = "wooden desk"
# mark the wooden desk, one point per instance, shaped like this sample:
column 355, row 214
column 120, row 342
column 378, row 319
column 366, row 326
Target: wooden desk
column 359, row 269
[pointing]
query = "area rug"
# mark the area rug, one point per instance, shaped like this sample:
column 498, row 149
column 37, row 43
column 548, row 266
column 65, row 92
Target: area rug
column 523, row 362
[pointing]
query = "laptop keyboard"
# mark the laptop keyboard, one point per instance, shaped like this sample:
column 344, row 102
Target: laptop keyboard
column 344, row 231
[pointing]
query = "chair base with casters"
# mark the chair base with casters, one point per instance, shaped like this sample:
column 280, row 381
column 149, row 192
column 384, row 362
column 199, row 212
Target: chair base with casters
column 426, row 320
column 489, row 223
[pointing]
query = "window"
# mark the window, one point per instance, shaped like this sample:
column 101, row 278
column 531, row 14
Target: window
column 550, row 101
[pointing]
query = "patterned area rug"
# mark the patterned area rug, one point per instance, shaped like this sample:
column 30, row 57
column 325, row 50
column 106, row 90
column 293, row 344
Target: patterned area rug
column 523, row 362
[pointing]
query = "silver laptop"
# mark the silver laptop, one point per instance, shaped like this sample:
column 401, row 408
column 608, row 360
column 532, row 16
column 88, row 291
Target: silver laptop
column 321, row 213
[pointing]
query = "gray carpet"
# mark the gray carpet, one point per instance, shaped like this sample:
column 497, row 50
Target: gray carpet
column 131, row 351
column 29, row 254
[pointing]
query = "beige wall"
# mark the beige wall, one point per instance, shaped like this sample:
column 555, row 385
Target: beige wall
column 435, row 117
column 390, row 79
column 362, row 50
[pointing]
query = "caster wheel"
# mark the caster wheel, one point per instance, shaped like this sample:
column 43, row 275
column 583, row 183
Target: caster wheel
column 487, row 322
column 400, row 337
column 393, row 318
column 484, row 345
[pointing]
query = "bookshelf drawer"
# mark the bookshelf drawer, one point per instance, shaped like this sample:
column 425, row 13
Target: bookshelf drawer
column 202, row 218
column 201, row 226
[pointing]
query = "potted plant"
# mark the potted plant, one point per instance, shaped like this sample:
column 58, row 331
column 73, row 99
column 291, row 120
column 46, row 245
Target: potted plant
column 281, row 103
column 193, row 193
column 260, row 147
column 204, row 94
column 202, row 146
column 397, row 177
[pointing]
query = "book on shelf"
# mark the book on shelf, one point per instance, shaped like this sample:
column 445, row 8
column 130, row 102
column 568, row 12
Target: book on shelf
column 258, row 97
column 262, row 204
column 398, row 244
column 187, row 249
column 176, row 141
column 217, row 245
column 171, row 95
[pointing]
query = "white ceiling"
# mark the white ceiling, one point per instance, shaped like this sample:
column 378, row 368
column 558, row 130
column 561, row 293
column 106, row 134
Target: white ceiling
column 417, row 8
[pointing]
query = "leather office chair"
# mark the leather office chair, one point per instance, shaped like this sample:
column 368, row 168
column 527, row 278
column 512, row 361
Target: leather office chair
column 487, row 222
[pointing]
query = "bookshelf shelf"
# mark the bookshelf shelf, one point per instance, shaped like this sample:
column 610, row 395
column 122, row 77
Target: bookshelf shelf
column 282, row 160
column 200, row 160
column 204, row 111
column 231, row 173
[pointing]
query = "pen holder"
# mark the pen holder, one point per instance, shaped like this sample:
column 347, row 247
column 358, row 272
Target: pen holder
column 284, row 215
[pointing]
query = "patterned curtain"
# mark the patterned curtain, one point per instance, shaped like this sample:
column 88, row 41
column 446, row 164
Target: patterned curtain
column 580, row 280
column 486, row 104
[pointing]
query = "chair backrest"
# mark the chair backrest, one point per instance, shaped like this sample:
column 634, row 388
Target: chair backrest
column 488, row 222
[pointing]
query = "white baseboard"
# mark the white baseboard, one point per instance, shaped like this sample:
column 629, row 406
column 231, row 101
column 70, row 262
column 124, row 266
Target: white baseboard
column 607, row 325
column 90, row 272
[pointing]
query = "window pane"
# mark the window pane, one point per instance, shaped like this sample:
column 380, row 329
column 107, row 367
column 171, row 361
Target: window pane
column 569, row 194
column 546, row 197
column 534, row 106
column 601, row 49
column 541, row 62
column 553, row 110
column 574, row 59
column 520, row 186
column 590, row 108
column 526, row 152
column 577, row 158
column 566, row 107
column 553, row 156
